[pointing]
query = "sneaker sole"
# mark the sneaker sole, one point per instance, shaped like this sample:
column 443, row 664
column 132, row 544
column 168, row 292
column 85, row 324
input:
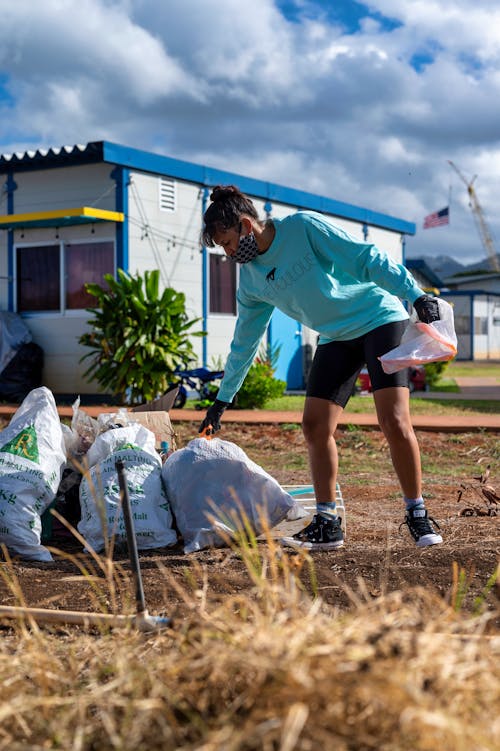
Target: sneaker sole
column 291, row 543
column 427, row 540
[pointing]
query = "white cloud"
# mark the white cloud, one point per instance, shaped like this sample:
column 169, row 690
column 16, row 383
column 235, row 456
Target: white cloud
column 368, row 117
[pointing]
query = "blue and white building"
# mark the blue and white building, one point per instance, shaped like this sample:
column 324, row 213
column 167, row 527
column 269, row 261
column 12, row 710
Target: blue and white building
column 69, row 215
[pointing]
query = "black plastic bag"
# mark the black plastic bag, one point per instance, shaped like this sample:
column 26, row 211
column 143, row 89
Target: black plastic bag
column 22, row 374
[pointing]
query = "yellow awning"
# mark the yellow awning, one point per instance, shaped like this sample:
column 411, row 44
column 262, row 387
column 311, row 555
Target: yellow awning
column 59, row 218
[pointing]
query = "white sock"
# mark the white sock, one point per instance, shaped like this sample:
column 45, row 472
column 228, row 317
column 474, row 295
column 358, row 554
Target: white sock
column 327, row 509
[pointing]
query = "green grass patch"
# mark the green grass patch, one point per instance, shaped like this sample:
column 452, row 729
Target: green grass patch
column 446, row 385
column 473, row 369
column 419, row 406
column 452, row 406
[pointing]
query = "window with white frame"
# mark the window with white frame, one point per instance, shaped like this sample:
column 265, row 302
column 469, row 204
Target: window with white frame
column 52, row 277
column 222, row 285
column 167, row 194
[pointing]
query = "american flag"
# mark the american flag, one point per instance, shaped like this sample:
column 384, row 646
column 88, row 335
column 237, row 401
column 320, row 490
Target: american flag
column 438, row 218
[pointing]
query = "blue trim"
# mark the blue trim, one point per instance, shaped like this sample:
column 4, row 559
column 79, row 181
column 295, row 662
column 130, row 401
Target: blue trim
column 418, row 264
column 204, row 284
column 471, row 317
column 163, row 165
column 11, row 186
column 448, row 292
column 269, row 333
column 121, row 176
column 124, row 156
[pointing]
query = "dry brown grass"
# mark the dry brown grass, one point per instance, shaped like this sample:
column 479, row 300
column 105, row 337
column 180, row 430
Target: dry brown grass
column 271, row 670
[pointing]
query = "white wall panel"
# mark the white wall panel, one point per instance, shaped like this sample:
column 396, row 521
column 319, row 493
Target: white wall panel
column 66, row 187
column 58, row 337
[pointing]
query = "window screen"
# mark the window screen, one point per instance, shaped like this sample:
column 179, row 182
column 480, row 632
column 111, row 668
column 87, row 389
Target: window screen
column 222, row 285
column 86, row 263
column 38, row 274
column 38, row 278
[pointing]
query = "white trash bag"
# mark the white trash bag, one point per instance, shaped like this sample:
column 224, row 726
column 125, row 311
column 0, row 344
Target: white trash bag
column 210, row 481
column 424, row 342
column 32, row 454
column 101, row 513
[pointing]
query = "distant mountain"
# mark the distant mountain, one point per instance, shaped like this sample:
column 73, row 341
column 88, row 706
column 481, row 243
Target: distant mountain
column 445, row 266
column 484, row 265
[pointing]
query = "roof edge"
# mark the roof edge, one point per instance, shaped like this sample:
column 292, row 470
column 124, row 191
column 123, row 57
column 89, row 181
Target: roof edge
column 145, row 161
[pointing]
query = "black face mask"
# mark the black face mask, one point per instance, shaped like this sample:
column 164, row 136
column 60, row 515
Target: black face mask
column 247, row 249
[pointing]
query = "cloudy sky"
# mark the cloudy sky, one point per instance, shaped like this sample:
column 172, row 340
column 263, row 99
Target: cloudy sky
column 362, row 102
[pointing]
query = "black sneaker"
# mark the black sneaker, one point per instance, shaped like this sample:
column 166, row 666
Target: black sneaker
column 421, row 529
column 323, row 533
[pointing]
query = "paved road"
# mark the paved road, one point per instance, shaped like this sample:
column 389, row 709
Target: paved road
column 470, row 388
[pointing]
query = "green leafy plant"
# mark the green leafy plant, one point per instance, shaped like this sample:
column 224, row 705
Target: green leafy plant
column 260, row 385
column 138, row 336
column 434, row 372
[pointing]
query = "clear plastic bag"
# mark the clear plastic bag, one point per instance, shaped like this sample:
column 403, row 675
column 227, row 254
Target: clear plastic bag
column 424, row 342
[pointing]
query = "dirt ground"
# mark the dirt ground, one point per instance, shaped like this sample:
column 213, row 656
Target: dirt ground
column 377, row 558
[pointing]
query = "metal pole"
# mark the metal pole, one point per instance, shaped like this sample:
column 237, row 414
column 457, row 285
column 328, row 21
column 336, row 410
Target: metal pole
column 131, row 539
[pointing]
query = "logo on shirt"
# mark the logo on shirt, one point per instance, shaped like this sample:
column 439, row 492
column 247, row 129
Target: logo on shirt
column 291, row 275
column 270, row 276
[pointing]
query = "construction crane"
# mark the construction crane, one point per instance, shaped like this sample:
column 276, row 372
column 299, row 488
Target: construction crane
column 479, row 218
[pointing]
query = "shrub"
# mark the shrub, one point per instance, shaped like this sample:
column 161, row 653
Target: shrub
column 260, row 385
column 138, row 336
column 434, row 372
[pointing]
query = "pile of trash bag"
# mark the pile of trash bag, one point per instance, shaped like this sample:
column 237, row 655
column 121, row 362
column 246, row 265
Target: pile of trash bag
column 202, row 495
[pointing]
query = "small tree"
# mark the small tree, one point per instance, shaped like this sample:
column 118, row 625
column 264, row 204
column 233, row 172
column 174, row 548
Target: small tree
column 260, row 385
column 138, row 336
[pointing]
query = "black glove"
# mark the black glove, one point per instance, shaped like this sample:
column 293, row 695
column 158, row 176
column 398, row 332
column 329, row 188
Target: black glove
column 427, row 308
column 212, row 418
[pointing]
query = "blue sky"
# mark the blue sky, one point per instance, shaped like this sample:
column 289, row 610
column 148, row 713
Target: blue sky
column 348, row 14
column 362, row 102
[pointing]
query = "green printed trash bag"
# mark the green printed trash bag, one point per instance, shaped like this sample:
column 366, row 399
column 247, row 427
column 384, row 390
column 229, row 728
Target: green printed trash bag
column 32, row 455
column 100, row 502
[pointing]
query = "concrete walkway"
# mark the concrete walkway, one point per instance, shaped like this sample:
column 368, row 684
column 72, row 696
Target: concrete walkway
column 464, row 423
column 471, row 388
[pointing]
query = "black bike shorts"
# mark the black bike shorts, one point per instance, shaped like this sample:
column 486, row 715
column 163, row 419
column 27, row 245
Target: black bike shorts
column 336, row 365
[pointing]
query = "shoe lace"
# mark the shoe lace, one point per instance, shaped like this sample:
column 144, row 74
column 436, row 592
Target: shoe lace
column 317, row 524
column 421, row 525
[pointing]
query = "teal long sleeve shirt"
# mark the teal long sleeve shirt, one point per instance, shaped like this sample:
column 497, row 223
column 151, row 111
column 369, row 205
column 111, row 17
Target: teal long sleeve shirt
column 318, row 275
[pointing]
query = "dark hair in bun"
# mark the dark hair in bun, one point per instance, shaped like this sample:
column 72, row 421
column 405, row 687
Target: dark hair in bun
column 227, row 207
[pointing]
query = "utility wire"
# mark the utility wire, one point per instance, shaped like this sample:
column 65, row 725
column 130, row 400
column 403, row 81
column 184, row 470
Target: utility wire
column 151, row 238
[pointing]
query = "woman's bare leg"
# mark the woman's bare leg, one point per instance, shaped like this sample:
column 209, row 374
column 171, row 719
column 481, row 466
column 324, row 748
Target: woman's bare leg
column 393, row 412
column 319, row 424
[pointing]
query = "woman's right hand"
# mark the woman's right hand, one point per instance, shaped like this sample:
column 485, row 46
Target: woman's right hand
column 213, row 416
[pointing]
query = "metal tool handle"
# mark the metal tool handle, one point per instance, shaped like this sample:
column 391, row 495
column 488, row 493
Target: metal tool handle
column 131, row 539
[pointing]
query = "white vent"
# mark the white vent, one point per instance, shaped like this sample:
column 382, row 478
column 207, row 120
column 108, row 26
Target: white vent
column 167, row 194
